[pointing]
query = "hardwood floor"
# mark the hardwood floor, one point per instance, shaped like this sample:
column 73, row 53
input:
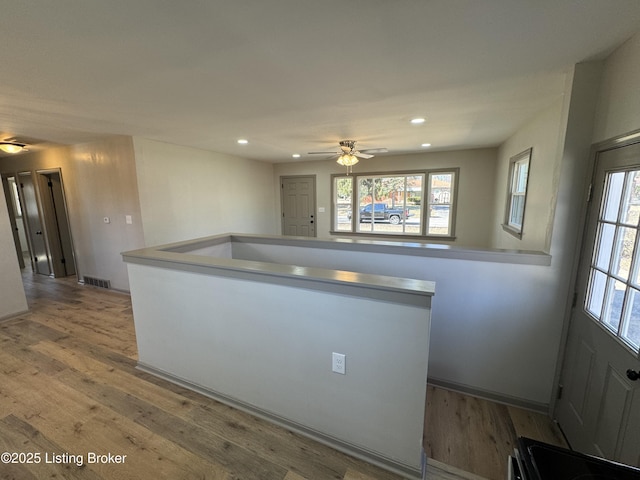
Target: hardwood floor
column 477, row 435
column 69, row 386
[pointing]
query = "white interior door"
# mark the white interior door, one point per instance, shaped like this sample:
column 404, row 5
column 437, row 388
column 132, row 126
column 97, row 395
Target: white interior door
column 35, row 232
column 298, row 206
column 13, row 207
column 599, row 410
column 57, row 223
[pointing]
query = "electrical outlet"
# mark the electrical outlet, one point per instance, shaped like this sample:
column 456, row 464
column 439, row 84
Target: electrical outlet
column 339, row 363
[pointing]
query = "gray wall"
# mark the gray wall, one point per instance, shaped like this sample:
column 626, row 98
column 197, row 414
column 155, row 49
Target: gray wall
column 187, row 193
column 475, row 191
column 100, row 181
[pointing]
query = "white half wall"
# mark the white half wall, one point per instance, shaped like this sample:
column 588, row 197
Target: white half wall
column 495, row 328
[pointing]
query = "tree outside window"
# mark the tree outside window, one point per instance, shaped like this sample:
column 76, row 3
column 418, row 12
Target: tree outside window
column 394, row 204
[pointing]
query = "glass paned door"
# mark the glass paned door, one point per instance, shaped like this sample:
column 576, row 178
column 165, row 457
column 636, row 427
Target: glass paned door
column 613, row 297
column 600, row 402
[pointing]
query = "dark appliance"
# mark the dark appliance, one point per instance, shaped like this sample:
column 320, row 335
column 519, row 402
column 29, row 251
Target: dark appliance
column 533, row 460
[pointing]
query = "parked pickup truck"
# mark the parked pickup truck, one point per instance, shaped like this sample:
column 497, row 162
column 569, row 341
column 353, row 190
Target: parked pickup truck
column 383, row 213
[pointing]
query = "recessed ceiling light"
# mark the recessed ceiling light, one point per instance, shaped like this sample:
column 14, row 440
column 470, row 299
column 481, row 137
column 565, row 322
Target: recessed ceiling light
column 426, row 145
column 296, row 155
column 243, row 141
column 417, row 121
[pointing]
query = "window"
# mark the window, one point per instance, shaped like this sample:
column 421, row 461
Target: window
column 613, row 296
column 440, row 220
column 411, row 204
column 517, row 193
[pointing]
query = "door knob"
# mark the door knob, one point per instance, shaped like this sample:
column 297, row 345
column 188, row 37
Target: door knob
column 633, row 375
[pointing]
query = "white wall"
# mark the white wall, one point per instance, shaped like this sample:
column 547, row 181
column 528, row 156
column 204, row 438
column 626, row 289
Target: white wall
column 475, row 192
column 187, row 193
column 12, row 298
column 100, row 181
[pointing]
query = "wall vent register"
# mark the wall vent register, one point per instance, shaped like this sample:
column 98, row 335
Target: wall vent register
column 96, row 282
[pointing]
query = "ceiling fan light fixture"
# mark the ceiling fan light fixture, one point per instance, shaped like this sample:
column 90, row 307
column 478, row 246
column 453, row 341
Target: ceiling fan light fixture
column 347, row 160
column 10, row 147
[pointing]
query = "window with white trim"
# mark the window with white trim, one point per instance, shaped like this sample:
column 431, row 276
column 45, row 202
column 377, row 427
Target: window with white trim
column 517, row 193
column 405, row 204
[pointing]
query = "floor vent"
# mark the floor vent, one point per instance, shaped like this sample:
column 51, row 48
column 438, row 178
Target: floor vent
column 97, row 282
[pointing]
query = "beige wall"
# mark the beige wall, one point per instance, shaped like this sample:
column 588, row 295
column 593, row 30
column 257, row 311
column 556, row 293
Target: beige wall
column 543, row 134
column 475, row 194
column 187, row 193
column 100, row 181
column 12, row 298
column 618, row 109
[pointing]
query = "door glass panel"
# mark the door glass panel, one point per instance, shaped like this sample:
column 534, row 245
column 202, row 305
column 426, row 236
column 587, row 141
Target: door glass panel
column 631, row 326
column 631, row 202
column 613, row 297
column 625, row 242
column 613, row 305
column 605, row 245
column 612, row 197
column 596, row 293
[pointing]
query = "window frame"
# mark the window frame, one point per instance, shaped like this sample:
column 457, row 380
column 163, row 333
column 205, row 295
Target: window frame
column 514, row 162
column 424, row 202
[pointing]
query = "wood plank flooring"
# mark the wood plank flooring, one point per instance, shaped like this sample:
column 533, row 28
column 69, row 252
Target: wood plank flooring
column 477, row 435
column 69, row 386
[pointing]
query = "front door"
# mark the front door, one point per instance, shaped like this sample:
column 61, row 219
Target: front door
column 599, row 410
column 298, row 206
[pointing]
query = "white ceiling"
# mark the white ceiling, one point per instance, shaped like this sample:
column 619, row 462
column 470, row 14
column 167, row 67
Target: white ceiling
column 294, row 76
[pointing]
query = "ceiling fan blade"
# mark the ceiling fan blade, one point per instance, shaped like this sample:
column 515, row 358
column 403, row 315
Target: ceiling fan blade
column 362, row 155
column 322, row 153
column 374, row 150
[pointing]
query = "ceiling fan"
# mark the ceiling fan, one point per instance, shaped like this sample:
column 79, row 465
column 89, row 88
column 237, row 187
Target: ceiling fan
column 10, row 145
column 348, row 155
